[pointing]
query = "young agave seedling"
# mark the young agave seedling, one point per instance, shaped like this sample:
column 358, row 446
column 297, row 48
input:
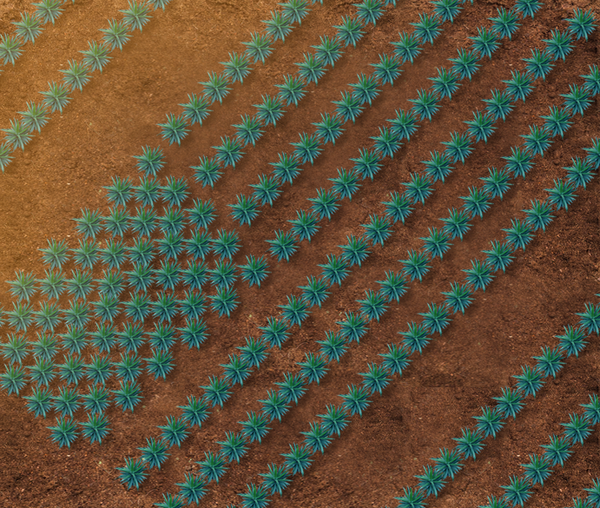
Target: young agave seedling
column 445, row 83
column 465, row 65
column 520, row 161
column 223, row 276
column 284, row 246
column 133, row 473
column 104, row 338
column 412, row 497
column 449, row 463
column 350, row 31
column 398, row 209
column 590, row 319
column 96, row 428
column 537, row 470
column 335, row 270
column 74, row 340
column 437, row 243
column 267, row 190
column 366, row 90
column 325, row 204
column 42, row 373
column 432, row 481
column 19, row 134
column 292, row 89
column 237, row 370
column 217, row 391
column 16, row 349
column 175, row 431
column 129, row 368
column 98, row 371
column 21, row 316
column 67, row 401
column 317, row 438
column 353, row 327
column 45, row 347
column 213, row 467
column 315, row 292
column 65, row 431
column 334, row 420
column 428, row 28
column 286, row 169
column 416, row 337
column 194, row 334
column 23, row 287
column 193, row 304
column 369, row 11
column 505, row 24
column 580, row 173
column 71, row 372
column 329, row 128
column 416, row 265
column 500, row 105
column 307, row 149
column 292, row 388
column 297, row 461
column 355, row 251
column 334, row 346
column 259, row 47
column 519, row 234
column 485, row 42
column 387, row 142
column 426, row 105
column 224, row 301
column 48, row 10
column 540, row 63
column 349, row 107
column 329, row 51
column 117, row 34
column 408, row 47
column 195, row 412
column 295, row 311
column 558, row 450
column 270, row 110
column 249, row 130
column 255, row 270
column 373, row 306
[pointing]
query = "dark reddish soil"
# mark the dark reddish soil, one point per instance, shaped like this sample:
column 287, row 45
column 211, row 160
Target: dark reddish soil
column 64, row 168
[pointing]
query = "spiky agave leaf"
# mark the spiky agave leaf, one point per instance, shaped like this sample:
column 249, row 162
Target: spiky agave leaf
column 315, row 292
column 550, row 362
column 317, row 438
column 558, row 450
column 194, row 333
column 353, row 327
column 67, row 401
column 540, row 63
column 578, row 429
column 103, row 338
column 497, row 183
column 519, row 234
column 21, row 316
column 19, row 134
column 479, row 275
column 446, row 10
column 460, row 145
column 378, row 229
column 437, row 243
column 29, row 27
column 481, row 127
column 459, row 297
column 234, row 447
column 171, row 501
column 572, row 342
column 245, row 210
column 276, row 331
column 582, row 23
column 286, row 169
column 42, row 372
column 35, row 117
column 71, row 372
column 373, row 306
column 292, row 89
column 312, row 68
column 45, row 347
column 412, row 498
column 350, row 31
column 404, row 124
column 368, row 164
column 375, row 379
column 520, row 85
column 129, row 368
column 537, row 470
column 446, row 82
column 117, row 33
column 485, row 42
column 393, row 287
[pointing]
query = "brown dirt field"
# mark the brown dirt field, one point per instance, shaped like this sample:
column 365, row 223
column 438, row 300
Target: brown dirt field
column 64, row 168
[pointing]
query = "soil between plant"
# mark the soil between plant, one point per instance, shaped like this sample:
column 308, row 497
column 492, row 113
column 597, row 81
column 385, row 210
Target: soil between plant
column 65, row 167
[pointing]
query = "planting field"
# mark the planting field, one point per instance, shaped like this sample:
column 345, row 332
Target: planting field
column 319, row 253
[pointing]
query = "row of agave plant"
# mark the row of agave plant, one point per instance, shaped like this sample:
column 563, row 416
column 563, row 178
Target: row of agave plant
column 76, row 318
column 97, row 57
column 396, row 360
column 377, row 377
column 111, row 285
column 518, row 236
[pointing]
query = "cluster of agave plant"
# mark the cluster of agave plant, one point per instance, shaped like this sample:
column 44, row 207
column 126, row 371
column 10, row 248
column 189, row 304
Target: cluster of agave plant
column 174, row 192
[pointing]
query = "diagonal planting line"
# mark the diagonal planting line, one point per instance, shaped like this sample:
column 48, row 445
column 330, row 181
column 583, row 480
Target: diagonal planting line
column 396, row 360
column 76, row 77
column 316, row 365
column 539, row 467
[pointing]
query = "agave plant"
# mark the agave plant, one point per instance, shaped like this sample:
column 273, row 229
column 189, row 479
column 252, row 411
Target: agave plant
column 175, row 431
column 95, row 428
column 245, row 210
column 277, row 479
column 270, row 110
column 446, row 82
column 48, row 10
column 505, row 24
column 408, row 47
column 259, row 47
column 426, row 105
column 295, row 311
column 500, row 105
column 336, row 269
column 237, row 67
column 368, row 164
column 431, row 482
column 255, row 270
column 72, row 370
column 365, row 90
column 582, row 23
column 133, row 473
column 39, row 402
column 292, row 387
column 216, row 87
column 117, row 34
column 223, row 276
column 448, row 463
column 224, row 301
column 312, row 68
column 446, row 10
column 29, row 27
column 334, row 346
column 354, row 326
column 275, row 405
column 297, row 461
column 590, row 319
column 96, row 57
column 255, row 427
column 485, row 42
column 465, row 65
column 481, row 127
column 195, row 411
column 64, row 432
column 540, row 63
column 520, row 160
column 213, row 467
column 35, row 117
column 416, row 338
column 398, row 209
column 137, row 15
column 387, row 70
column 42, row 373
column 350, row 31
column 428, row 28
column 194, row 333
column 517, row 492
column 378, row 229
column 412, row 497
column 19, row 134
column 77, row 75
column 349, row 107
column 234, row 447
column 170, row 245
